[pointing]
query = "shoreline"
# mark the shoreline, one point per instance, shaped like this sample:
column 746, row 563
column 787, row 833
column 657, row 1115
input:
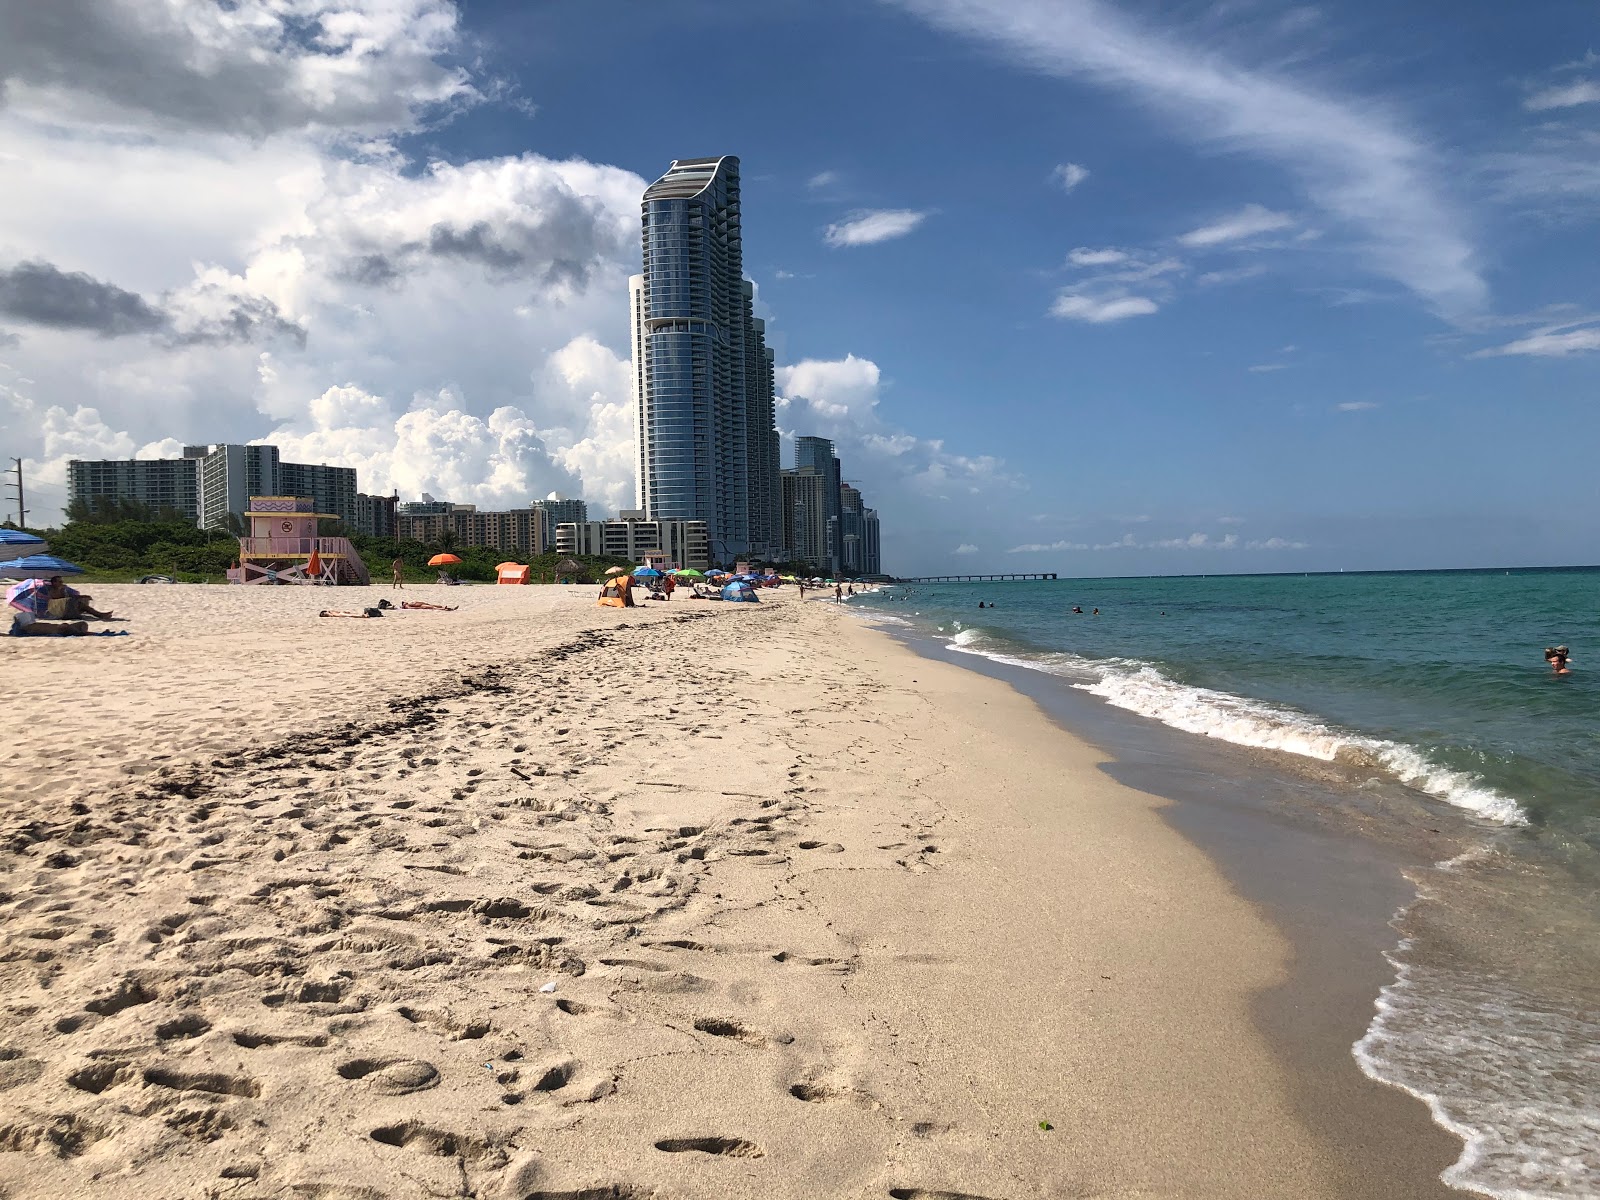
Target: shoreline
column 827, row 919
column 1335, row 895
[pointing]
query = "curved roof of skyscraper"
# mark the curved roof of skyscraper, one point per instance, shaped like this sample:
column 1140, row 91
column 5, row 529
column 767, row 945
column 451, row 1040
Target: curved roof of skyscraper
column 688, row 177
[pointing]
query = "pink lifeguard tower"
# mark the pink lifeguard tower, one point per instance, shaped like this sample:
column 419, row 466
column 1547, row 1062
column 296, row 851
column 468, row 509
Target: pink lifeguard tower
column 283, row 547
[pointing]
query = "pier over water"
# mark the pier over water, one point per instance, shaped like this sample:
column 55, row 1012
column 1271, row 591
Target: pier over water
column 980, row 578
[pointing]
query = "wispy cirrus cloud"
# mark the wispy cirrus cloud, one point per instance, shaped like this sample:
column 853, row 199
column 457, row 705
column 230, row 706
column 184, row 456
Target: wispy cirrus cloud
column 1084, row 256
column 1370, row 175
column 1248, row 222
column 1202, row 541
column 1046, row 547
column 1565, row 95
column 1069, row 175
column 1356, row 406
column 1551, row 341
column 1132, row 285
column 872, row 226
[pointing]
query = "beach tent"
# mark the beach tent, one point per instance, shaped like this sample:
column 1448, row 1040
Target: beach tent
column 617, row 592
column 510, row 572
column 740, row 591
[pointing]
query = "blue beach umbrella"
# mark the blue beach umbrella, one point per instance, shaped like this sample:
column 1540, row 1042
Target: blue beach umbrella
column 647, row 573
column 35, row 565
column 16, row 542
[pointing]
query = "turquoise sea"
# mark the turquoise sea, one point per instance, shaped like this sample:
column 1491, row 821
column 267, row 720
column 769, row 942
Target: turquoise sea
column 1429, row 682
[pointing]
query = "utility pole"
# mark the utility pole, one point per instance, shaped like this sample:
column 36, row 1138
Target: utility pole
column 22, row 512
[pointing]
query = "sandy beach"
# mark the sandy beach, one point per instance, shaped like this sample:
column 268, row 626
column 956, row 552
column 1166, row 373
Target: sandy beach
column 537, row 899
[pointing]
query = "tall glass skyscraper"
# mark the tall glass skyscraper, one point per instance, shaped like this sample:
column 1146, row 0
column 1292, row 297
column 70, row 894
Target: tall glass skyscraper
column 703, row 376
column 817, row 454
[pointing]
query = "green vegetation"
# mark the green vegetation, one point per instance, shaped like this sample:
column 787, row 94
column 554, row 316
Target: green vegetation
column 117, row 544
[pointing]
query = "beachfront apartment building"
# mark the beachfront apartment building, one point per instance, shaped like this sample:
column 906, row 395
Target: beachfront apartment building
column 331, row 489
column 374, row 515
column 210, row 481
column 633, row 536
column 805, row 516
column 160, row 484
column 816, row 454
column 556, row 509
column 517, row 530
column 873, row 547
column 707, row 441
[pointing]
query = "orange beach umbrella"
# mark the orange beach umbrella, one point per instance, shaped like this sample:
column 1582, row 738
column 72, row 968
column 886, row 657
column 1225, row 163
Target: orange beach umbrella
column 443, row 560
column 314, row 565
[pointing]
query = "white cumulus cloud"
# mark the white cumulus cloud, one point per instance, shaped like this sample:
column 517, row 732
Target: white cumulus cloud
column 1100, row 311
column 965, row 548
column 869, row 227
column 1069, row 175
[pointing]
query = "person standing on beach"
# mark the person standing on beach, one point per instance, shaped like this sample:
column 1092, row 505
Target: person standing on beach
column 395, row 568
column 838, row 594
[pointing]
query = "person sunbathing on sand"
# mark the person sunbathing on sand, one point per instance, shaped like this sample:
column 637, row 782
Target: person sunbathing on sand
column 430, row 607
column 364, row 615
column 27, row 625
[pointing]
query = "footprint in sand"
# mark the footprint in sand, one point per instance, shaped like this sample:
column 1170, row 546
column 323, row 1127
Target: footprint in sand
column 721, row 1027
column 725, row 1146
column 392, row 1076
column 414, row 1135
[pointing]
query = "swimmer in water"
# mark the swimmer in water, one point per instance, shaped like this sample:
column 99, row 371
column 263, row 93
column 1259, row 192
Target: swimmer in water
column 1557, row 657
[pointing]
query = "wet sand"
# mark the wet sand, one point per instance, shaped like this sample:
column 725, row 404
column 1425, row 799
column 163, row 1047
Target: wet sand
column 538, row 899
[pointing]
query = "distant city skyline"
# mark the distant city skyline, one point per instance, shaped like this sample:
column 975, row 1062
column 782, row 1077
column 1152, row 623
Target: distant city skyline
column 1099, row 289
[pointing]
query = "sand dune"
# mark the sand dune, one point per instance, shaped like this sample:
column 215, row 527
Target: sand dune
column 541, row 900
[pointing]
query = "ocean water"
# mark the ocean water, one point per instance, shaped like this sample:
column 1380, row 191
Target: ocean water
column 1430, row 682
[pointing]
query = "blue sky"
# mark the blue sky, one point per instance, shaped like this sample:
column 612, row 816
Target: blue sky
column 1079, row 287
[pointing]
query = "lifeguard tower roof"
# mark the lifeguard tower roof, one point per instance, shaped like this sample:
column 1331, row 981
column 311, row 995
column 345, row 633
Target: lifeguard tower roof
column 272, row 506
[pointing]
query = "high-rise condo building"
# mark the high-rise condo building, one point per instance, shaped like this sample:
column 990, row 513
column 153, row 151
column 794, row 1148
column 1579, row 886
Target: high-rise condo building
column 874, row 551
column 556, row 509
column 817, row 454
column 805, row 517
column 702, row 381
column 211, row 481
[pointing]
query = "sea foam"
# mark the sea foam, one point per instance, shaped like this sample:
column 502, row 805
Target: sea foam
column 1141, row 688
column 1510, row 1076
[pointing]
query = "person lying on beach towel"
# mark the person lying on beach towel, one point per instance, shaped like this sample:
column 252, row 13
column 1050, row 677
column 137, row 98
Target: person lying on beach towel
column 27, row 625
column 364, row 614
column 428, row 606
